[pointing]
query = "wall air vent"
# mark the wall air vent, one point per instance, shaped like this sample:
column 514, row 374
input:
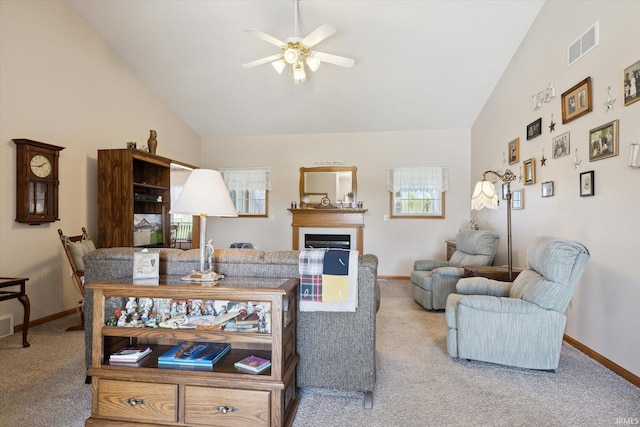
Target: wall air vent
column 6, row 325
column 587, row 41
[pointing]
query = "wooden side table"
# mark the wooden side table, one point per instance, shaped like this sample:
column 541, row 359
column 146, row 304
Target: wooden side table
column 21, row 295
column 491, row 272
column 451, row 247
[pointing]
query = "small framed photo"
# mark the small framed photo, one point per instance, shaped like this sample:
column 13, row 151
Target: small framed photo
column 577, row 101
column 514, row 151
column 603, row 141
column 534, row 129
column 561, row 146
column 529, row 171
column 587, row 184
column 547, row 189
column 517, row 199
column 631, row 80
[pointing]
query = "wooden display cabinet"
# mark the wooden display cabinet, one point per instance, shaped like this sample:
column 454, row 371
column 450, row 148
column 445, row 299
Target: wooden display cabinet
column 221, row 396
column 132, row 182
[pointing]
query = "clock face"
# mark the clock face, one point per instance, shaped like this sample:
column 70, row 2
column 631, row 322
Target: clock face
column 325, row 201
column 40, row 166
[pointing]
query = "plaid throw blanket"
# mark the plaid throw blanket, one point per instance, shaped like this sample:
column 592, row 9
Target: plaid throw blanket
column 328, row 280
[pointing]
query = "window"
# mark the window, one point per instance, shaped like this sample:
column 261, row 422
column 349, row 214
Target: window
column 417, row 191
column 249, row 189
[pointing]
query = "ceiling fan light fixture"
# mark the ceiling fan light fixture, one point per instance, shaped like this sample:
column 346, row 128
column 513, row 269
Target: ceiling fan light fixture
column 279, row 65
column 291, row 56
column 313, row 63
column 299, row 75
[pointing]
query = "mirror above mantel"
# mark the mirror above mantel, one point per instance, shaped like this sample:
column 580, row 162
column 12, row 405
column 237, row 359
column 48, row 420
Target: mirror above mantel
column 337, row 183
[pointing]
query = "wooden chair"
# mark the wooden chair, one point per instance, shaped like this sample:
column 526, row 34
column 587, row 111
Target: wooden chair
column 75, row 247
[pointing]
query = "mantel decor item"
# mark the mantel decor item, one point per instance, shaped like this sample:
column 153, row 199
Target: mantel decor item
column 587, row 184
column 534, row 129
column 603, row 141
column 529, row 171
column 204, row 194
column 152, row 142
column 577, row 101
column 485, row 196
column 631, row 81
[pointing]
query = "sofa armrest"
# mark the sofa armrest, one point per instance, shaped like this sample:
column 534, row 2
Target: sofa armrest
column 428, row 265
column 482, row 286
column 448, row 271
column 499, row 305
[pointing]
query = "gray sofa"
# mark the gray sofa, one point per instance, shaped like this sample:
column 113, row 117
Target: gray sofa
column 336, row 349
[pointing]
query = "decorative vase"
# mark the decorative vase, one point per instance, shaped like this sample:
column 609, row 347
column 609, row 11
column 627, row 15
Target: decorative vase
column 152, row 142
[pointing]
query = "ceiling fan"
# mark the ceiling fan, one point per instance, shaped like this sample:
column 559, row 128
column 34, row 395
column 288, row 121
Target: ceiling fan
column 296, row 51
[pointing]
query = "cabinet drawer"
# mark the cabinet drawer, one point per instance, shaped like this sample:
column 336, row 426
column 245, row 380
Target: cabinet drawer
column 226, row 407
column 137, row 401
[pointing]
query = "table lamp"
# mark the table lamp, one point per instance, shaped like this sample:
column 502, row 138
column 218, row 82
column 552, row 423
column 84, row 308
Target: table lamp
column 204, row 194
column 484, row 196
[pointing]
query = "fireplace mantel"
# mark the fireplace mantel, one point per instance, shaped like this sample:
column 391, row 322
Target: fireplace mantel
column 327, row 218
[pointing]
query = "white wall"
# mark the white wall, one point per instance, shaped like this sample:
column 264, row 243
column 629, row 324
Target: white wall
column 604, row 313
column 396, row 242
column 62, row 85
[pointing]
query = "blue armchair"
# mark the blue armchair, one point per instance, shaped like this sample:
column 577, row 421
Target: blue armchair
column 433, row 281
column 518, row 324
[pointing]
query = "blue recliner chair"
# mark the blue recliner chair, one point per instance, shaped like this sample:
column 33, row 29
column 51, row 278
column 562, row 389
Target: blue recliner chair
column 518, row 324
column 433, row 281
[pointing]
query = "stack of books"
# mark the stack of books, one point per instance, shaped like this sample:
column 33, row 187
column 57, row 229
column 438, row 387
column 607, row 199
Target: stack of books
column 195, row 355
column 253, row 364
column 128, row 355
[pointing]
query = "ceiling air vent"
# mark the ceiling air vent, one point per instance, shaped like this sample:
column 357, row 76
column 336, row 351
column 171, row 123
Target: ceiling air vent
column 587, row 41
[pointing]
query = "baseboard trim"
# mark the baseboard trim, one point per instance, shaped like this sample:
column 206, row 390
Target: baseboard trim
column 46, row 319
column 612, row 366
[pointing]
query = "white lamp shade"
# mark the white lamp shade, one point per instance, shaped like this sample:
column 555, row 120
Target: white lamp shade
column 484, row 196
column 205, row 194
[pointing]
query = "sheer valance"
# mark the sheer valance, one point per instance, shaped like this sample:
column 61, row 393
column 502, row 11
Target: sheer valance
column 247, row 179
column 432, row 178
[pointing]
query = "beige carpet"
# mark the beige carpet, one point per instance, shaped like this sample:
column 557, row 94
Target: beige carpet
column 418, row 383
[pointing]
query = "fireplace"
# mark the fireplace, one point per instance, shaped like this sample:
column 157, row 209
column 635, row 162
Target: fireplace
column 328, row 222
column 340, row 241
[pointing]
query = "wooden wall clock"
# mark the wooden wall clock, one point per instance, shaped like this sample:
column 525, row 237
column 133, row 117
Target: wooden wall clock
column 37, row 181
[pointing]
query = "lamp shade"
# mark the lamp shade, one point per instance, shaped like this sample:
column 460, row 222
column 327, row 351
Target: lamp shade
column 484, row 196
column 205, row 194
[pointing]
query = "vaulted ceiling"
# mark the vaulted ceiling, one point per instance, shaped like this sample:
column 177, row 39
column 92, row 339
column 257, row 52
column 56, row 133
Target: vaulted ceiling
column 418, row 64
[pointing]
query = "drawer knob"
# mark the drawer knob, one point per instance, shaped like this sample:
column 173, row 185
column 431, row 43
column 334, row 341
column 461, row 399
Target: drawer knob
column 225, row 409
column 133, row 402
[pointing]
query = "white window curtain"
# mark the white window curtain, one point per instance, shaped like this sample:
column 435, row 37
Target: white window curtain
column 432, row 178
column 247, row 179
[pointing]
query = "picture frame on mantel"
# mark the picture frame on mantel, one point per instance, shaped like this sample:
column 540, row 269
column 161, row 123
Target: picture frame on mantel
column 577, row 101
column 603, row 141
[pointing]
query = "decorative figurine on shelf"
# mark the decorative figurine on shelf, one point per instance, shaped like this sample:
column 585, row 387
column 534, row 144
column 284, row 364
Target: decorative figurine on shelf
column 152, row 142
column 132, row 305
column 209, row 247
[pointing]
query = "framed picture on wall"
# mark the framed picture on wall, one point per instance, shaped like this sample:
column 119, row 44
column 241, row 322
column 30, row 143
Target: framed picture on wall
column 561, row 146
column 603, row 141
column 547, row 189
column 529, row 171
column 577, row 101
column 631, row 83
column 587, row 184
column 514, row 151
column 517, row 199
column 534, row 129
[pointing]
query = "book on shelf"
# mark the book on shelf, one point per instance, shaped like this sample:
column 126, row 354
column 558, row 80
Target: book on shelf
column 129, row 354
column 253, row 364
column 192, row 353
column 247, row 319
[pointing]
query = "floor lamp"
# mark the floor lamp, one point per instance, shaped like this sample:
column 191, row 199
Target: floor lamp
column 485, row 196
column 204, row 194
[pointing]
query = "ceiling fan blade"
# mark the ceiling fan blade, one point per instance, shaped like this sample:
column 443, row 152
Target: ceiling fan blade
column 262, row 61
column 266, row 37
column 334, row 59
column 317, row 35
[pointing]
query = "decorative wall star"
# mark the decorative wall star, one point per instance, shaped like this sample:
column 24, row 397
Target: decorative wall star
column 543, row 159
column 552, row 126
column 609, row 103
